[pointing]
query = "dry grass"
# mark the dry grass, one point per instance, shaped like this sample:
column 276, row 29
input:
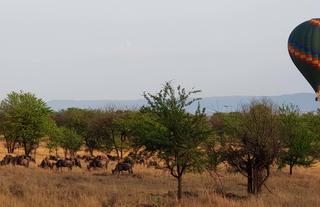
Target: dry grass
column 33, row 187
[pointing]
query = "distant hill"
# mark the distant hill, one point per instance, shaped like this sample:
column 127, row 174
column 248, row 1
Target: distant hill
column 305, row 101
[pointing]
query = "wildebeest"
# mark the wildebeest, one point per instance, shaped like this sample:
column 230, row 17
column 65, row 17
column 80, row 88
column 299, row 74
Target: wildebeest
column 137, row 158
column 86, row 158
column 22, row 160
column 98, row 162
column 112, row 158
column 122, row 166
column 47, row 163
column 69, row 163
column 128, row 160
column 53, row 157
column 6, row 160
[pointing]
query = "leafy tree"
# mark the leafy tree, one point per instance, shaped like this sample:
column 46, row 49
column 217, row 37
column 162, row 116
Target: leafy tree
column 254, row 142
column 77, row 120
column 70, row 141
column 123, row 125
column 213, row 155
column 301, row 144
column 172, row 133
column 55, row 135
column 100, row 129
column 24, row 118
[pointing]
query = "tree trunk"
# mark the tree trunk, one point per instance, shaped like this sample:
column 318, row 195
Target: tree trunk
column 250, row 184
column 291, row 167
column 11, row 145
column 250, row 177
column 26, row 150
column 259, row 180
column 121, row 153
column 115, row 145
column 91, row 151
column 179, row 192
column 35, row 153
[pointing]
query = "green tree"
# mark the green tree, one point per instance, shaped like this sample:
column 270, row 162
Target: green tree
column 78, row 120
column 301, row 144
column 70, row 141
column 172, row 133
column 24, row 118
column 124, row 128
column 101, row 132
column 55, row 135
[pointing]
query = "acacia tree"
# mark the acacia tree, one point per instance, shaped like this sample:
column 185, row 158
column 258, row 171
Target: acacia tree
column 301, row 143
column 172, row 133
column 130, row 126
column 70, row 141
column 99, row 133
column 123, row 126
column 109, row 129
column 254, row 142
column 53, row 133
column 77, row 120
column 24, row 119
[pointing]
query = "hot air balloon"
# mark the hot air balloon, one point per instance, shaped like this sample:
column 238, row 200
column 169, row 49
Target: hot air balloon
column 304, row 49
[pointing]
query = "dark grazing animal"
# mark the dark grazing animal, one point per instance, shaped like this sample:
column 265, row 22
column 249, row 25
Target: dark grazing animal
column 122, row 166
column 6, row 160
column 112, row 158
column 98, row 162
column 128, row 160
column 87, row 158
column 68, row 163
column 22, row 160
column 53, row 157
column 47, row 163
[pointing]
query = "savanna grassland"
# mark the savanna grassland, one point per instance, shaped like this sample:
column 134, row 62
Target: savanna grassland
column 148, row 187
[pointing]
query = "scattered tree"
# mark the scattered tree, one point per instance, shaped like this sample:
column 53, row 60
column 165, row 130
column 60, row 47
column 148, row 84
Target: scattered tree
column 70, row 141
column 24, row 118
column 172, row 133
column 301, row 144
column 254, row 142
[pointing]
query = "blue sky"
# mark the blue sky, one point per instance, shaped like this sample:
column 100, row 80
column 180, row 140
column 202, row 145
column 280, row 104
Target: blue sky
column 116, row 49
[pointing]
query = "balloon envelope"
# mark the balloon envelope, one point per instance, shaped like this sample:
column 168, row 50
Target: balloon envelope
column 304, row 49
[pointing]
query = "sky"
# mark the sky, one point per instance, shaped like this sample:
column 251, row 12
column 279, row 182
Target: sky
column 117, row 49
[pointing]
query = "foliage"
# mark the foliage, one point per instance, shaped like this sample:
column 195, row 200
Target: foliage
column 301, row 143
column 70, row 141
column 255, row 142
column 24, row 119
column 172, row 133
column 55, row 135
column 99, row 135
column 78, row 120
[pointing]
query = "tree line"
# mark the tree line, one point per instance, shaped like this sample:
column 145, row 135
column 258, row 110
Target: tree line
column 249, row 141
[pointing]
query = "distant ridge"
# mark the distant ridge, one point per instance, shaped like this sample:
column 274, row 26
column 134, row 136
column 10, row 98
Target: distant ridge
column 305, row 101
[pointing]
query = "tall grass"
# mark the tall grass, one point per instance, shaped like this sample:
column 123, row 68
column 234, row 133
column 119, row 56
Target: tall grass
column 34, row 187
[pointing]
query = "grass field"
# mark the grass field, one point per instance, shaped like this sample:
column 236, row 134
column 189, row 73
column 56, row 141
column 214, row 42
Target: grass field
column 34, row 187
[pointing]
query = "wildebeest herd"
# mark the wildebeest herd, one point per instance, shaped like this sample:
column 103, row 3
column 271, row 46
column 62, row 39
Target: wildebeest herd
column 22, row 160
column 57, row 163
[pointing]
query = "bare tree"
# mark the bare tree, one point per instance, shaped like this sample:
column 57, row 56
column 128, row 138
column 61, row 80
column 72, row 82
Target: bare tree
column 255, row 142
